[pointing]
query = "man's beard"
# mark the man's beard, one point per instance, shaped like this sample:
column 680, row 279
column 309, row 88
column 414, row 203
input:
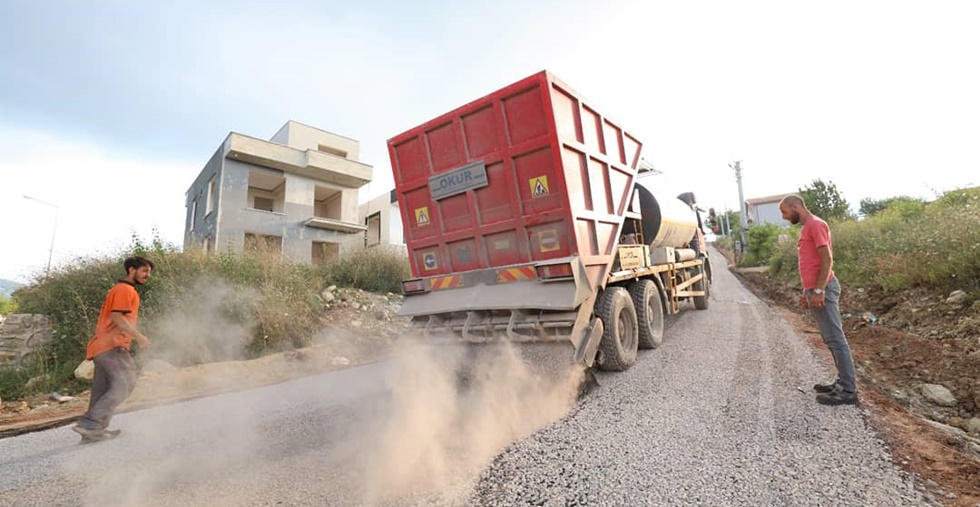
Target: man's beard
column 794, row 217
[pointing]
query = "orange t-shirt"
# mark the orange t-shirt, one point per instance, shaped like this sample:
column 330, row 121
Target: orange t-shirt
column 124, row 299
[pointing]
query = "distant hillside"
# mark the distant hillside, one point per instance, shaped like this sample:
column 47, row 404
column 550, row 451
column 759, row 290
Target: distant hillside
column 7, row 287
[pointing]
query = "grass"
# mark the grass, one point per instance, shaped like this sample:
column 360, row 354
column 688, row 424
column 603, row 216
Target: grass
column 909, row 244
column 197, row 307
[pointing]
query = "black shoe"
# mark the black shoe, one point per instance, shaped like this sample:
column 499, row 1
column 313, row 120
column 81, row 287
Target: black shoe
column 89, row 433
column 837, row 397
column 824, row 388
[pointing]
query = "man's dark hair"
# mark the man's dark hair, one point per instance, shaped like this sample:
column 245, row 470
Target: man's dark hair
column 137, row 262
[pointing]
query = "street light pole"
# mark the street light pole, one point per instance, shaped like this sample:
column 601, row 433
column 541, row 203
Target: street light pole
column 54, row 232
column 737, row 167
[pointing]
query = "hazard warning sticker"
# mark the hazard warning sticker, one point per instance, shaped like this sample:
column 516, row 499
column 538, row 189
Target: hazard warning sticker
column 539, row 186
column 429, row 261
column 548, row 241
column 422, row 216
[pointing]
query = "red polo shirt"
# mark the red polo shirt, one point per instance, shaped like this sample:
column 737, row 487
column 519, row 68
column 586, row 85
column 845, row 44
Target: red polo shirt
column 124, row 299
column 814, row 235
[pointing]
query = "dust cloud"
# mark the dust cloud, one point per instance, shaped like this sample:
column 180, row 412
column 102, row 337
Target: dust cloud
column 453, row 408
column 209, row 322
column 421, row 436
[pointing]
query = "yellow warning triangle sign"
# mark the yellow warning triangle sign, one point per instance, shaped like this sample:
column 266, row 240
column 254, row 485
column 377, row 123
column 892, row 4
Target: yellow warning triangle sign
column 539, row 186
column 422, row 216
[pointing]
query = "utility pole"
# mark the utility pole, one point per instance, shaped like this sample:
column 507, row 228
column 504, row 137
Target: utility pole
column 54, row 231
column 726, row 225
column 737, row 167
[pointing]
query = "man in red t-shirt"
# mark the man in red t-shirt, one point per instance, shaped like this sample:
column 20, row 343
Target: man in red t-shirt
column 821, row 294
column 115, row 370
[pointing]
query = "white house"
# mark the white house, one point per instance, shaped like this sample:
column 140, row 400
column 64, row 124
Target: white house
column 382, row 218
column 765, row 210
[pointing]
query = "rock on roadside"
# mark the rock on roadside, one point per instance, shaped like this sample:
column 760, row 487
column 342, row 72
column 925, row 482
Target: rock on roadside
column 938, row 394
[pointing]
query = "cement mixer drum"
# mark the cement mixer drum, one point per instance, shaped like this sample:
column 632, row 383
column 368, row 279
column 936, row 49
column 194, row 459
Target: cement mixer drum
column 667, row 221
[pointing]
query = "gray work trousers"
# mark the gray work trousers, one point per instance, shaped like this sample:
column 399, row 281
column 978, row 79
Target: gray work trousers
column 832, row 332
column 114, row 380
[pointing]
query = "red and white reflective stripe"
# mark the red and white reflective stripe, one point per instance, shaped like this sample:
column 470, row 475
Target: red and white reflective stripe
column 515, row 274
column 446, row 282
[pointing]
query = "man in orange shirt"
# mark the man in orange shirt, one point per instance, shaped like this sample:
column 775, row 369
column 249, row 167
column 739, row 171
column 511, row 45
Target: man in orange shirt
column 115, row 370
column 821, row 294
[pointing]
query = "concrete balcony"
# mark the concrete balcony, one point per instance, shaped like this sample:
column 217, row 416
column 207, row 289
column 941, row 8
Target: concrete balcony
column 334, row 225
column 310, row 163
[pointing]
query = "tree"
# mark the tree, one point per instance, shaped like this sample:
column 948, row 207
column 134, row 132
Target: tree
column 870, row 207
column 825, row 201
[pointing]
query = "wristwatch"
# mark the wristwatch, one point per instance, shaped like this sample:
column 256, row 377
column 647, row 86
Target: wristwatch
column 818, row 291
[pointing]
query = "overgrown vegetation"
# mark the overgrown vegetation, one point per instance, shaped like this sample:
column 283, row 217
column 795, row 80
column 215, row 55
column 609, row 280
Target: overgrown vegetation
column 824, row 200
column 871, row 207
column 908, row 243
column 196, row 307
column 7, row 305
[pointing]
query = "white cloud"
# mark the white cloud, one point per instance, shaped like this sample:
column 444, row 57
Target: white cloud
column 101, row 198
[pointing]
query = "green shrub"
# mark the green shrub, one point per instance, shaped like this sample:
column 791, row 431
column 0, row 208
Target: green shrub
column 909, row 243
column 762, row 242
column 197, row 307
column 375, row 269
column 7, row 305
column 13, row 382
column 72, row 296
column 783, row 262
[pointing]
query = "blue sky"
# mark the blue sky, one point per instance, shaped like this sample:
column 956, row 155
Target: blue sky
column 109, row 109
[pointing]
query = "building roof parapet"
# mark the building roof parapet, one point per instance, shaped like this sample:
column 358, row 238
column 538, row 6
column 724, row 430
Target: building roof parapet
column 314, row 164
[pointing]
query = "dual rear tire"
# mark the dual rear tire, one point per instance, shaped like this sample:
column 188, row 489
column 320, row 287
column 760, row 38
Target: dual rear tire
column 632, row 319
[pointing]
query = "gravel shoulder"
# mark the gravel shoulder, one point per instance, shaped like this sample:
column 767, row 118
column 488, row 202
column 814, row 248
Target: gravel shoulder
column 720, row 414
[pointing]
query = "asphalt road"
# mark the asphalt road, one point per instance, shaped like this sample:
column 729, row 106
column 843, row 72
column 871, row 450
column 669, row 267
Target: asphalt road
column 712, row 417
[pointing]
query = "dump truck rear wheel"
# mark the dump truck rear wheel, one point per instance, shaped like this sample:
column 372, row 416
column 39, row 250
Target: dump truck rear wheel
column 649, row 313
column 701, row 302
column 617, row 349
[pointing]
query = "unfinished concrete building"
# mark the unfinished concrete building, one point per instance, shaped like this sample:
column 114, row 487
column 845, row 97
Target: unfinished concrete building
column 383, row 220
column 295, row 194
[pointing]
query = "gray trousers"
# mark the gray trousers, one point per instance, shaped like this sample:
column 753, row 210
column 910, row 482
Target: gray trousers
column 114, row 380
column 832, row 331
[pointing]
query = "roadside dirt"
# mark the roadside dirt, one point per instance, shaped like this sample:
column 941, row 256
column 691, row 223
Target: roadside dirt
column 901, row 341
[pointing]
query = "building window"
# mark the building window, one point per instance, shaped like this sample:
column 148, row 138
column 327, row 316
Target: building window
column 373, row 234
column 212, row 196
column 266, row 191
column 263, row 243
column 193, row 218
column 263, row 203
column 327, row 203
column 324, row 253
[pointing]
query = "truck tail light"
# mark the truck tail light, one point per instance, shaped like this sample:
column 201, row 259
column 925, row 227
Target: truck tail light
column 552, row 271
column 413, row 286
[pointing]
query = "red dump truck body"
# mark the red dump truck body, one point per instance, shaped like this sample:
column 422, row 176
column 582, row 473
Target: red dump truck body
column 524, row 221
column 528, row 173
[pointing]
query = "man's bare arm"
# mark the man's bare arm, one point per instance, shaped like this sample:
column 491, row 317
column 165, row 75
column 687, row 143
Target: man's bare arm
column 123, row 323
column 826, row 263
